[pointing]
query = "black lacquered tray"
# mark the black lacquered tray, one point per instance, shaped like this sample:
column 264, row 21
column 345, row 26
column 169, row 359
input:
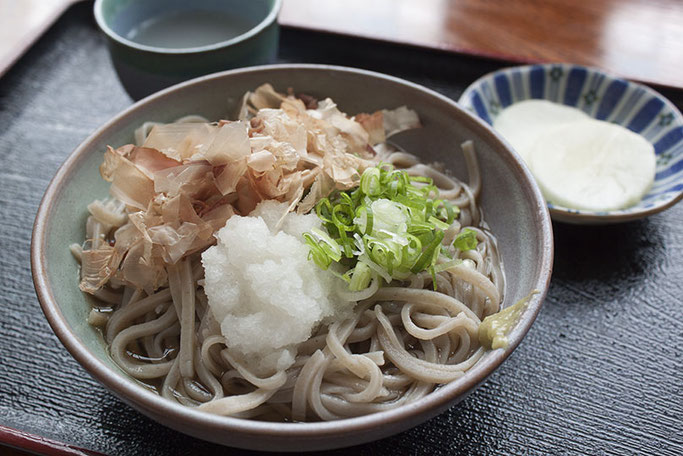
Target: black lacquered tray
column 600, row 372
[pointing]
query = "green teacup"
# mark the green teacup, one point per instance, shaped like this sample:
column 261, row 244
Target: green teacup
column 158, row 43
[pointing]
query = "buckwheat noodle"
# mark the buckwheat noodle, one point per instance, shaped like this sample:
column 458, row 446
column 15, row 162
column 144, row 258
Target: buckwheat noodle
column 403, row 341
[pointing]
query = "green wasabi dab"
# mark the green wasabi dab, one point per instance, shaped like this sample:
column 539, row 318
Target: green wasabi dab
column 494, row 329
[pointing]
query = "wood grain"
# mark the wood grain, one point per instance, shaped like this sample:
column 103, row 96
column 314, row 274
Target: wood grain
column 636, row 39
column 15, row 439
column 22, row 23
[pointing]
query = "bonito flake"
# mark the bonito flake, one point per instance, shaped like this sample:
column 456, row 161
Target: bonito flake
column 182, row 181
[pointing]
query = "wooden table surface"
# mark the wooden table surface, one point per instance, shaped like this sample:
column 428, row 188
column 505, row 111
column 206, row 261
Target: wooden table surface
column 636, row 39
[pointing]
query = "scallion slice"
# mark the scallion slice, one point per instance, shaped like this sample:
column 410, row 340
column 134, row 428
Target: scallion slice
column 390, row 226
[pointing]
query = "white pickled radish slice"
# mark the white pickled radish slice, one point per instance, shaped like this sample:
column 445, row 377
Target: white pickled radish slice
column 522, row 123
column 592, row 165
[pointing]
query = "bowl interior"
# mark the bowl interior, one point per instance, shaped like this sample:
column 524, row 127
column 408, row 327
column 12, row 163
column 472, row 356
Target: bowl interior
column 604, row 97
column 512, row 204
column 181, row 25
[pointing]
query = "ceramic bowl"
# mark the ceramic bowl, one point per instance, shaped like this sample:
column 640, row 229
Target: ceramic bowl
column 214, row 35
column 513, row 206
column 604, row 97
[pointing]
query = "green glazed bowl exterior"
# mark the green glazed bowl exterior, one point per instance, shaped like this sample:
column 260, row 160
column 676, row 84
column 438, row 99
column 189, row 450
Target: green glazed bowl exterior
column 146, row 69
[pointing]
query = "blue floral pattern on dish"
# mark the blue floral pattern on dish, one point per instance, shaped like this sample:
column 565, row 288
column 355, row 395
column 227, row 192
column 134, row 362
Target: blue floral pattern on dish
column 603, row 97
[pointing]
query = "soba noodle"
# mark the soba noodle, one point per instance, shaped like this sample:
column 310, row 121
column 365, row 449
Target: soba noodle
column 404, row 339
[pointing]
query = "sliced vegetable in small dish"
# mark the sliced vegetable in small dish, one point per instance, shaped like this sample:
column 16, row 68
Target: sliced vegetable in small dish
column 616, row 180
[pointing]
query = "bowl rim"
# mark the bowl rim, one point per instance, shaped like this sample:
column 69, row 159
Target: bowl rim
column 583, row 217
column 152, row 404
column 270, row 18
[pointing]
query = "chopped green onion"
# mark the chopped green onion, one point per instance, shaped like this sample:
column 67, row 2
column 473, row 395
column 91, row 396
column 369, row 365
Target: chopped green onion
column 432, row 272
column 370, row 182
column 438, row 223
column 364, row 219
column 426, row 258
column 466, row 240
column 363, row 258
column 342, row 217
column 390, row 226
column 411, row 251
column 346, row 277
column 451, row 212
column 381, row 253
column 324, row 210
column 427, row 180
column 329, row 245
column 317, row 253
column 448, row 264
column 360, row 277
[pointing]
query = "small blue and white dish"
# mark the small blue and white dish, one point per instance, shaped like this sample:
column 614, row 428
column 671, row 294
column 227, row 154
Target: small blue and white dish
column 604, row 97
